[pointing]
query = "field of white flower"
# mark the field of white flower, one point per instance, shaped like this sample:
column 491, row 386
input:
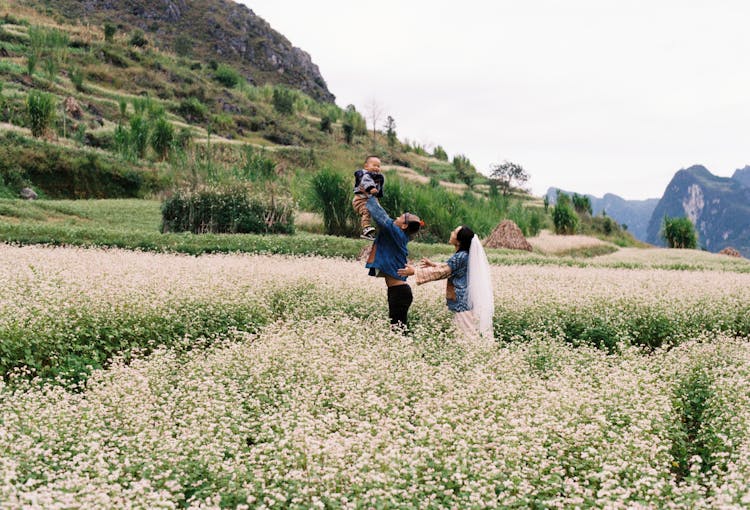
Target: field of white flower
column 234, row 381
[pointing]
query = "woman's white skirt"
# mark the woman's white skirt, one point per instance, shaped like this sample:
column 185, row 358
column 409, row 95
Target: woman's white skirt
column 466, row 323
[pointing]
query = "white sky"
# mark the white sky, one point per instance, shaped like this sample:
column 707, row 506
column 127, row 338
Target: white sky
column 592, row 96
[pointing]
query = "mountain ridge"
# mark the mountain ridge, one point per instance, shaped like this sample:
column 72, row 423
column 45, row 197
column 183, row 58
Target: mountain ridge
column 219, row 30
column 719, row 207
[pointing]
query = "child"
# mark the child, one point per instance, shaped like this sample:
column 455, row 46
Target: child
column 371, row 181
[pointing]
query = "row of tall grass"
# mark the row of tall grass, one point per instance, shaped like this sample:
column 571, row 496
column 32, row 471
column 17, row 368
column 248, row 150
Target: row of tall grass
column 330, row 192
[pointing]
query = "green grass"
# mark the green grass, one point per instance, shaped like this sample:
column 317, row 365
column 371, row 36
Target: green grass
column 135, row 224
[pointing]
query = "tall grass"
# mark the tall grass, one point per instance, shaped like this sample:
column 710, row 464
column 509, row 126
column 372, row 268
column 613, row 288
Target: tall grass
column 330, row 193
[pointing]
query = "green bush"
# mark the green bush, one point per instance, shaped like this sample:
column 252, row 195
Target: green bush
column 138, row 38
column 109, row 31
column 227, row 76
column 440, row 153
column 679, row 233
column 228, row 209
column 330, row 193
column 256, row 167
column 192, row 110
column 283, row 100
column 564, row 217
column 139, row 133
column 40, row 108
column 162, row 137
column 76, row 77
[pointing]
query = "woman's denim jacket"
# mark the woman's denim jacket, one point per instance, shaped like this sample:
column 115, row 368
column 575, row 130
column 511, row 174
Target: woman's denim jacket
column 456, row 270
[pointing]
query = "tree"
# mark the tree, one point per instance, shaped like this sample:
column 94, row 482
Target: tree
column 440, row 153
column 464, row 169
column 679, row 233
column 390, row 132
column 353, row 124
column 582, row 204
column 507, row 173
column 563, row 216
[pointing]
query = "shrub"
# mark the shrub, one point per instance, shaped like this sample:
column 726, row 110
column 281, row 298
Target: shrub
column 582, row 204
column 40, row 108
column 139, row 131
column 31, row 60
column 563, row 216
column 192, row 109
column 227, row 76
column 256, row 167
column 440, row 153
column 230, row 209
column 76, row 77
column 109, row 32
column 330, row 194
column 283, row 100
column 162, row 137
column 679, row 233
column 138, row 38
column 326, row 125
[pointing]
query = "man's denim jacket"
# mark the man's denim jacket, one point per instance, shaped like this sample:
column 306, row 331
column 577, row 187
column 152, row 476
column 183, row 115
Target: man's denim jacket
column 389, row 252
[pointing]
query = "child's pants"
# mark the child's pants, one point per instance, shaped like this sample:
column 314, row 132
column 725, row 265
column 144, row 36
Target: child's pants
column 360, row 205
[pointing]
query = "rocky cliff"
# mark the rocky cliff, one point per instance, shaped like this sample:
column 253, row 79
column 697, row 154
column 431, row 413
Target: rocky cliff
column 742, row 175
column 219, row 30
column 719, row 207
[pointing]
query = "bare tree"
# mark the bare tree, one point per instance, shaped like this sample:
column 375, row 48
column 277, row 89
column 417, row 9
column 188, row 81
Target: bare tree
column 375, row 112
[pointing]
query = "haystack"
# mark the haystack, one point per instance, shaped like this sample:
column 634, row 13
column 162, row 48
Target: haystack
column 507, row 235
column 731, row 252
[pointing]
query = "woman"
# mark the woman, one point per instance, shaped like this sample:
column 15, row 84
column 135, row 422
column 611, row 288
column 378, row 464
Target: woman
column 469, row 288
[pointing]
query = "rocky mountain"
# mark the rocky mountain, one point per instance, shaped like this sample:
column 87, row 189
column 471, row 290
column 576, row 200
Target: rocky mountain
column 218, row 30
column 719, row 207
column 633, row 213
column 742, row 175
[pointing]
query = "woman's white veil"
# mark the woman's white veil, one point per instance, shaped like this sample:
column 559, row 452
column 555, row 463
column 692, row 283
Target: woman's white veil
column 481, row 299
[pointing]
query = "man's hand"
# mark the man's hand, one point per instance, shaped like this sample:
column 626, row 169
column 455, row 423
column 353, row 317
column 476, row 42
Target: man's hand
column 427, row 263
column 406, row 271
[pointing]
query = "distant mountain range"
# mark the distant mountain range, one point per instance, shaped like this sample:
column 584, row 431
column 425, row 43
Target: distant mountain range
column 634, row 213
column 719, row 207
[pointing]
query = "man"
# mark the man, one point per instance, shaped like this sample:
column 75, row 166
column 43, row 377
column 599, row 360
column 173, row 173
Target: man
column 389, row 254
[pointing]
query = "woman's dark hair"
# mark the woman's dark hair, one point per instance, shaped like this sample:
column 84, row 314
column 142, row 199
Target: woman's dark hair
column 413, row 227
column 464, row 237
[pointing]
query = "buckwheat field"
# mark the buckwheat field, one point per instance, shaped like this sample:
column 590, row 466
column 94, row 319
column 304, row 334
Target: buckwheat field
column 141, row 380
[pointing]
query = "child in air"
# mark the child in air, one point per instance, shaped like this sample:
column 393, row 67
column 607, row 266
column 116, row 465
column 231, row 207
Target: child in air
column 367, row 181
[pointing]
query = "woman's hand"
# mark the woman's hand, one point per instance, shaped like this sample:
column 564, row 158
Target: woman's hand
column 427, row 263
column 406, row 271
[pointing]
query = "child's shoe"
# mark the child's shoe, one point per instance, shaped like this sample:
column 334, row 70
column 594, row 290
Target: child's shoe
column 368, row 233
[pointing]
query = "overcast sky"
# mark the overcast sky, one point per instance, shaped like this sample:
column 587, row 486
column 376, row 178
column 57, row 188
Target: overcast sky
column 592, row 96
